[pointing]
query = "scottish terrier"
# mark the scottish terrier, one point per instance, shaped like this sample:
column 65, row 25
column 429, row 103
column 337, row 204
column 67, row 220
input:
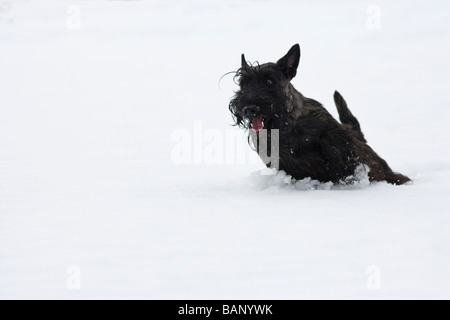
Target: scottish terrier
column 311, row 143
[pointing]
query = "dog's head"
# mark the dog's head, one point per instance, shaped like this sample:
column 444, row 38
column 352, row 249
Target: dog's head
column 264, row 91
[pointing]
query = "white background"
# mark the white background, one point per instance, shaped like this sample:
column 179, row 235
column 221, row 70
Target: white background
column 87, row 176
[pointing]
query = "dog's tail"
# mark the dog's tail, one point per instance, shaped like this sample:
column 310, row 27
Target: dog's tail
column 346, row 116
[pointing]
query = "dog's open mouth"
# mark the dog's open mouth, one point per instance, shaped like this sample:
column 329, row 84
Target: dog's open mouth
column 257, row 124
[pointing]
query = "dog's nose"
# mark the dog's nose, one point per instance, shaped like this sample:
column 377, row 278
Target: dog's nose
column 250, row 111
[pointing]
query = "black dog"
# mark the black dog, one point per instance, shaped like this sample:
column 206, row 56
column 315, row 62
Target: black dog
column 311, row 142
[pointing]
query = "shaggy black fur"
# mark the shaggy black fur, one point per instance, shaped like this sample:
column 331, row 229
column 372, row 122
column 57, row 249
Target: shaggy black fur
column 311, row 142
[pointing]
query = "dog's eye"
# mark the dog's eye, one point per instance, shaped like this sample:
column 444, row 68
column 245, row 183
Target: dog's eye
column 269, row 83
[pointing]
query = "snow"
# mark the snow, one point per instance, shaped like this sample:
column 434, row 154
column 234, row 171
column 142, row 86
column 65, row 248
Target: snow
column 89, row 182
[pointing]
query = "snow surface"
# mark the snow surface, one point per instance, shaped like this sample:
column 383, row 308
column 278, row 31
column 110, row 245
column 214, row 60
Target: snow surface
column 88, row 123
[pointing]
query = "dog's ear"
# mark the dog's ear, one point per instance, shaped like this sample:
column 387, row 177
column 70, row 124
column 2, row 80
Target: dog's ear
column 289, row 63
column 244, row 63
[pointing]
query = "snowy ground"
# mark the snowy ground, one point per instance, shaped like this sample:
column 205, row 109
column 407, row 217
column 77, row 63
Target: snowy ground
column 90, row 118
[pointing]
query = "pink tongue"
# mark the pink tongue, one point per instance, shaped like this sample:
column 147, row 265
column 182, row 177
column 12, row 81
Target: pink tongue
column 257, row 124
